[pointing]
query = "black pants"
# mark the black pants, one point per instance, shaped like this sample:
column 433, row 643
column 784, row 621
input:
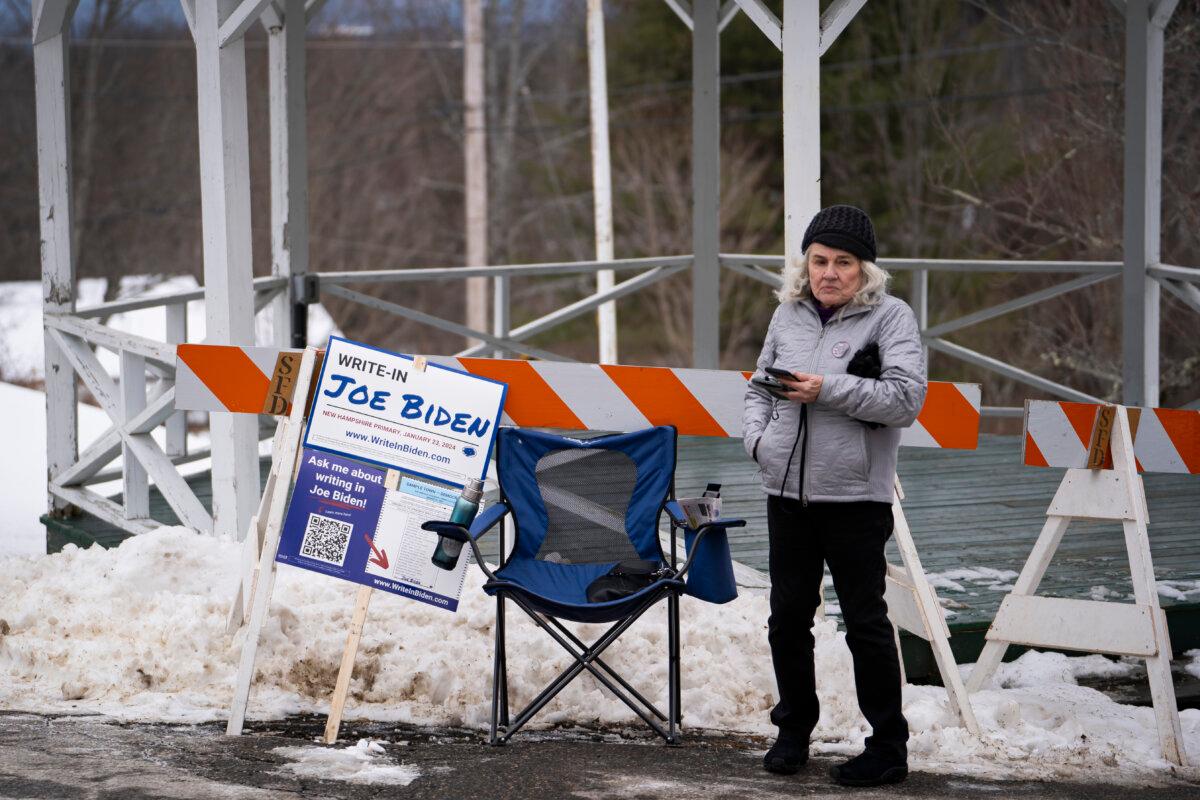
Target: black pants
column 850, row 538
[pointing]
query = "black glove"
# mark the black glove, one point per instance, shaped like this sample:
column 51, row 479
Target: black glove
column 866, row 364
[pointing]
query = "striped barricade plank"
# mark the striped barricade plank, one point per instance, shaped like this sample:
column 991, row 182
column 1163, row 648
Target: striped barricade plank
column 1060, row 434
column 571, row 396
column 698, row 402
column 248, row 380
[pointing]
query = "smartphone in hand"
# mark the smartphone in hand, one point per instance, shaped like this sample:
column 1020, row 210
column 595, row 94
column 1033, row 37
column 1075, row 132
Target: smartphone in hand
column 770, row 386
column 779, row 373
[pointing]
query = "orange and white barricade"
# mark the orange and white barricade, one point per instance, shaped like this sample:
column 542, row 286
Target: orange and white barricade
column 1103, row 449
column 246, row 380
column 608, row 397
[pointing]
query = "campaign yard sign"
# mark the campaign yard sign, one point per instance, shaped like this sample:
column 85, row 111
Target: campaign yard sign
column 343, row 521
column 424, row 419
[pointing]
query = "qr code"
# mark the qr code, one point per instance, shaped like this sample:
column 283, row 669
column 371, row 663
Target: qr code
column 326, row 539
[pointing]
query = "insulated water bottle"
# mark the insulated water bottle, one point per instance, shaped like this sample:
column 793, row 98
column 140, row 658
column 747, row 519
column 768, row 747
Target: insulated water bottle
column 467, row 505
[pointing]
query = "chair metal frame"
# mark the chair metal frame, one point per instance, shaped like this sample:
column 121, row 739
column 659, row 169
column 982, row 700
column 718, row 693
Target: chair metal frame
column 586, row 657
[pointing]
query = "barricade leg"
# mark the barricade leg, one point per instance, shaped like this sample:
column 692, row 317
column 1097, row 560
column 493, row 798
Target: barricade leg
column 1026, row 584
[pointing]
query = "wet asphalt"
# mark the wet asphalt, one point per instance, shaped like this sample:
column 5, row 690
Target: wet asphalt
column 66, row 758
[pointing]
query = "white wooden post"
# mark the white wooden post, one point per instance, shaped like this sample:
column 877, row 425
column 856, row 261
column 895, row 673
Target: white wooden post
column 606, row 315
column 801, row 122
column 228, row 275
column 176, row 424
column 289, row 160
column 706, row 184
column 1143, row 199
column 475, row 161
column 51, row 70
column 136, row 483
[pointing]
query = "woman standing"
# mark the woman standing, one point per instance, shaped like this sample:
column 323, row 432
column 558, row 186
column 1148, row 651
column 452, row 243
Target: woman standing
column 826, row 445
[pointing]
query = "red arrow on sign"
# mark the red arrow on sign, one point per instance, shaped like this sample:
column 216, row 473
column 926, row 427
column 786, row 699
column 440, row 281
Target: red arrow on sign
column 379, row 557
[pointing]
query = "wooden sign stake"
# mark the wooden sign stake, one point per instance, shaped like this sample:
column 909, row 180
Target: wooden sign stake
column 346, row 670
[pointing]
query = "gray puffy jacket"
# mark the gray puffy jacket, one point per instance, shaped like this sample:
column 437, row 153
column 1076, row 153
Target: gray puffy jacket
column 839, row 458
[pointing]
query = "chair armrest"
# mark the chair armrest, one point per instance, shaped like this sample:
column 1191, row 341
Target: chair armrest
column 722, row 524
column 460, row 533
column 488, row 519
column 450, row 530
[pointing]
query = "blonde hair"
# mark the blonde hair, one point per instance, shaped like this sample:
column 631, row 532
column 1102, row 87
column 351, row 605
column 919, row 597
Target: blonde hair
column 795, row 286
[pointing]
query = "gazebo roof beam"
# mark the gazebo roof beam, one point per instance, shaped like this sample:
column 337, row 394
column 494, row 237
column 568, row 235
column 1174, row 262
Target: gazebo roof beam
column 312, row 8
column 728, row 12
column 836, row 18
column 765, row 19
column 683, row 10
column 240, row 20
column 189, row 14
column 1161, row 13
column 49, row 17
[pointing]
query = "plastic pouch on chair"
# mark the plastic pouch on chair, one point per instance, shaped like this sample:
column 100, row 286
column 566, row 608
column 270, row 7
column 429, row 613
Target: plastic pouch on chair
column 710, row 577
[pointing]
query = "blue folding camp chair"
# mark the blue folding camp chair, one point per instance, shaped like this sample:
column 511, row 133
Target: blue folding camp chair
column 579, row 508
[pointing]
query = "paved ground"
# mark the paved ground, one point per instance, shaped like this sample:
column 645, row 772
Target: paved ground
column 83, row 757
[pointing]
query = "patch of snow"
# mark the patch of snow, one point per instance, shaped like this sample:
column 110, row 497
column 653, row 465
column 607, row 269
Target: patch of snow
column 1178, row 590
column 358, row 764
column 1036, row 668
column 1193, row 666
column 23, row 430
column 952, row 580
column 942, row 582
column 22, row 356
column 1102, row 593
column 138, row 633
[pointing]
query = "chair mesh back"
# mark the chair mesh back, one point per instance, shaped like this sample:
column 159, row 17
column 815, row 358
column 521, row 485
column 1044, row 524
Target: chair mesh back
column 587, row 494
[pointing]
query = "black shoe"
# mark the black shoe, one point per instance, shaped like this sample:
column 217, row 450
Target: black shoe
column 787, row 755
column 869, row 769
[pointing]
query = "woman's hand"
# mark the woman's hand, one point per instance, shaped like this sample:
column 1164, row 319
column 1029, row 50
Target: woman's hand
column 803, row 388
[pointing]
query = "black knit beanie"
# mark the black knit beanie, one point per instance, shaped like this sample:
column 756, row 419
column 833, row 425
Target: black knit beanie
column 844, row 227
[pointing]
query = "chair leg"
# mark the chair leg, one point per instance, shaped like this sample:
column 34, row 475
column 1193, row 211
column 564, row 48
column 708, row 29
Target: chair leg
column 673, row 669
column 612, row 673
column 503, row 662
column 583, row 661
column 498, row 687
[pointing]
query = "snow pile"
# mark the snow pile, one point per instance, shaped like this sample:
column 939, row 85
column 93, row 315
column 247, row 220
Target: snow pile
column 139, row 633
column 358, row 764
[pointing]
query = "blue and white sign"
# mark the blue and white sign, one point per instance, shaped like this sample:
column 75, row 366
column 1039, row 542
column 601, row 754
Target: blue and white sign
column 376, row 406
column 344, row 522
